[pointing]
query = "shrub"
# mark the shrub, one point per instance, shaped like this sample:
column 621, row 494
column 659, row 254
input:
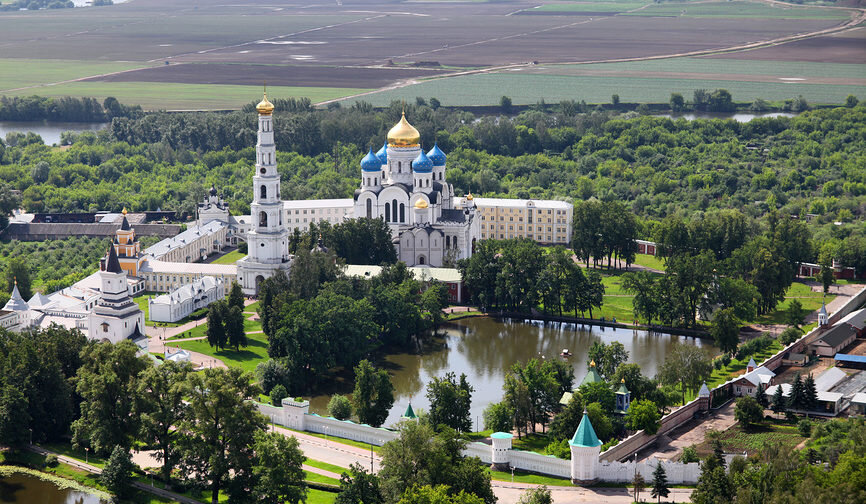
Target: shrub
column 754, row 346
column 497, row 417
column 805, row 427
column 340, row 407
column 278, row 393
column 559, row 449
column 50, row 460
column 790, row 335
column 690, row 454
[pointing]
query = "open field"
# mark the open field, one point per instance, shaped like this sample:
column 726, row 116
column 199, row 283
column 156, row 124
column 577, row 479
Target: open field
column 326, row 51
column 230, row 258
column 246, row 358
column 838, row 48
column 487, row 89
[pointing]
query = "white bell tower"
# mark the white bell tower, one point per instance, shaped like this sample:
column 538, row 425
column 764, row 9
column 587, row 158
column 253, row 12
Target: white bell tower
column 268, row 240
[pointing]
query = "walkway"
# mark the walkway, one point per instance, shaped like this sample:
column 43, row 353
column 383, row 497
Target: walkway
column 670, row 445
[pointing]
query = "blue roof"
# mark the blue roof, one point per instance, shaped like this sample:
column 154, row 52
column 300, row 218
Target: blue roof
column 422, row 164
column 371, row 162
column 585, row 436
column 383, row 153
column 437, row 156
column 501, row 435
column 860, row 359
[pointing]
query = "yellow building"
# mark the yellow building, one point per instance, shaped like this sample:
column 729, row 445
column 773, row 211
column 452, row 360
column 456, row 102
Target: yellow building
column 545, row 221
column 128, row 249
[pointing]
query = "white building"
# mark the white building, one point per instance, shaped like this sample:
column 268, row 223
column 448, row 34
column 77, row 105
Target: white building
column 268, row 238
column 165, row 276
column 184, row 300
column 15, row 315
column 115, row 317
column 299, row 214
column 194, row 244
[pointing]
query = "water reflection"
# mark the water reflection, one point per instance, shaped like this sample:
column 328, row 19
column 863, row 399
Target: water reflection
column 485, row 348
column 25, row 489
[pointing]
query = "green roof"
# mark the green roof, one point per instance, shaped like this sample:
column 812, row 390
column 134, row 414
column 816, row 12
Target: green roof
column 622, row 389
column 585, row 436
column 592, row 376
column 410, row 413
column 501, row 435
column 566, row 398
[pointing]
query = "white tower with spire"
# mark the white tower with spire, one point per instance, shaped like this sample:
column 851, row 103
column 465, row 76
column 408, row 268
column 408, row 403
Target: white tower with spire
column 116, row 316
column 268, row 240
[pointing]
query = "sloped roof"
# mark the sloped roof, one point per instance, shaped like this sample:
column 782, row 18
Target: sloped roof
column 585, row 436
column 592, row 375
column 829, row 378
column 856, row 318
column 16, row 302
column 409, row 413
column 113, row 265
column 837, row 335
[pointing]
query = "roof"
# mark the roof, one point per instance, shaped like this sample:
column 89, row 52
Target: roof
column 192, row 234
column 829, row 378
column 188, row 291
column 124, row 226
column 113, row 265
column 449, row 275
column 320, row 203
column 752, row 363
column 622, row 388
column 409, row 413
column 859, row 359
column 521, row 203
column 585, row 436
column 502, row 435
column 16, row 302
column 592, row 375
column 859, row 398
column 452, row 215
column 758, row 375
column 839, row 334
column 856, row 318
column 157, row 266
column 566, row 398
column 705, row 391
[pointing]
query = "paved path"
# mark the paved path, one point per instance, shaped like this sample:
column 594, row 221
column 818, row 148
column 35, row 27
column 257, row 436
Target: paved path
column 671, row 445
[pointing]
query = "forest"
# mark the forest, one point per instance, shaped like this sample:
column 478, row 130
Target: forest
column 810, row 166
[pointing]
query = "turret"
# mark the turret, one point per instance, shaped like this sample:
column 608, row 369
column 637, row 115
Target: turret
column 623, row 398
column 823, row 317
column 422, row 173
column 421, row 212
column 404, row 145
column 585, row 448
column 371, row 171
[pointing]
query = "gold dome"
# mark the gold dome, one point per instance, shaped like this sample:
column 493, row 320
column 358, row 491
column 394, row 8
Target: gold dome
column 265, row 107
column 592, row 363
column 421, row 204
column 403, row 134
column 470, row 197
column 124, row 211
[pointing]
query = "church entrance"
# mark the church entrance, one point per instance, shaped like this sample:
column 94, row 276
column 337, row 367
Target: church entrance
column 259, row 280
column 422, row 260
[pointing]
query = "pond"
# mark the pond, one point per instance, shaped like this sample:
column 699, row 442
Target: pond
column 49, row 130
column 26, row 489
column 485, row 348
column 739, row 116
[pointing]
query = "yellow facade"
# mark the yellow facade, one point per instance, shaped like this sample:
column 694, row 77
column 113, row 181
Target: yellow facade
column 544, row 225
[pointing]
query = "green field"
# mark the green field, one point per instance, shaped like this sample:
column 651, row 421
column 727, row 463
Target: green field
column 525, row 89
column 589, row 7
column 246, row 358
column 750, row 10
column 173, row 96
column 230, row 258
column 16, row 73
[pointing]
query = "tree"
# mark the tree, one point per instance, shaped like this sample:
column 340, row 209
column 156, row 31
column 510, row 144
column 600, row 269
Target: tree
column 433, row 300
column 536, row 495
column 277, row 395
column 107, row 383
column 660, row 483
column 116, row 476
column 450, row 402
column 790, row 335
column 614, row 100
column 761, row 397
column 505, row 105
column 234, row 327
column 638, row 485
column 690, row 454
column 748, row 412
column 677, row 102
column 795, row 314
column 357, row 486
column 439, row 494
column 236, row 296
column 797, row 400
column 532, row 391
column 778, row 404
column 810, row 393
column 272, row 373
column 374, row 394
column 340, row 407
column 687, row 366
column 643, row 415
column 14, row 418
column 278, row 470
column 725, row 330
column 851, row 101
column 219, row 431
column 607, row 357
column 161, row 408
column 498, row 417
column 714, row 485
column 594, row 293
column 216, row 332
column 18, row 271
column 600, row 420
column 826, row 276
column 566, row 421
column 598, row 392
column 40, row 172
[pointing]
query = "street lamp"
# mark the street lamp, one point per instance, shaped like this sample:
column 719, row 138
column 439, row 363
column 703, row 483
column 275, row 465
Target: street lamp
column 86, row 452
column 512, row 474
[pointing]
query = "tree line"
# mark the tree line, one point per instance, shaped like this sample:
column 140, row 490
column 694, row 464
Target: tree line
column 518, row 275
column 64, row 108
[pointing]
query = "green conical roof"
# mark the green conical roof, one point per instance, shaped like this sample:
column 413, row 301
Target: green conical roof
column 584, row 436
column 410, row 413
column 592, row 375
column 622, row 389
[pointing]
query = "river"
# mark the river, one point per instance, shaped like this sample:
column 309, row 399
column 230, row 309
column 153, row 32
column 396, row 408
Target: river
column 26, row 489
column 49, row 130
column 485, row 348
column 741, row 117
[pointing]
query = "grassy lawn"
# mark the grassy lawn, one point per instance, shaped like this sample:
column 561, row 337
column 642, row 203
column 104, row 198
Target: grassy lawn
column 528, row 477
column 174, row 96
column 201, row 330
column 457, row 315
column 141, row 301
column 589, row 7
column 810, row 300
column 246, row 358
column 67, row 450
column 318, row 478
column 252, row 308
column 532, row 442
column 316, row 496
column 649, row 261
column 16, row 73
column 737, row 440
column 325, row 466
column 230, row 258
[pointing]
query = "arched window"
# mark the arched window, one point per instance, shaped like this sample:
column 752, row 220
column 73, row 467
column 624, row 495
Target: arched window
column 375, row 181
column 394, row 210
column 447, row 242
column 369, row 209
column 263, row 192
column 402, row 212
column 399, row 167
column 263, row 219
column 387, row 212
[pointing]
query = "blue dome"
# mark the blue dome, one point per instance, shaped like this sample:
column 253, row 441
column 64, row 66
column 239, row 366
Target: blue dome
column 383, row 153
column 437, row 156
column 371, row 162
column 422, row 164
